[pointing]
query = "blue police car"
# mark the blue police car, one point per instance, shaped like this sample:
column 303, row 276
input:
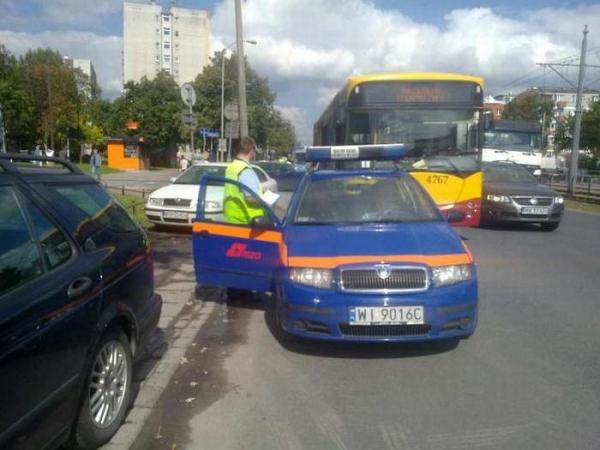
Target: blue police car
column 362, row 254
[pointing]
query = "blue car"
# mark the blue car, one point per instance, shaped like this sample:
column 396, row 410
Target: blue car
column 362, row 254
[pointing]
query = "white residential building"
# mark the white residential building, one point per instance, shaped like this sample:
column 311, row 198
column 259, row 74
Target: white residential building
column 87, row 68
column 175, row 40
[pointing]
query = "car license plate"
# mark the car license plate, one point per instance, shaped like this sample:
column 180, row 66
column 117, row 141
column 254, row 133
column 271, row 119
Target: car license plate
column 534, row 210
column 386, row 315
column 175, row 215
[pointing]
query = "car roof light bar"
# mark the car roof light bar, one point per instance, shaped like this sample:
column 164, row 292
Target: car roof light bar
column 383, row 152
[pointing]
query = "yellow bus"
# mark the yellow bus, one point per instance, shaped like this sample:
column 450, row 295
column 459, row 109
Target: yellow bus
column 437, row 116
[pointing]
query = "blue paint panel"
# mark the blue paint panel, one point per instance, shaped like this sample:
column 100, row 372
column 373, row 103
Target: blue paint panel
column 421, row 238
column 250, row 263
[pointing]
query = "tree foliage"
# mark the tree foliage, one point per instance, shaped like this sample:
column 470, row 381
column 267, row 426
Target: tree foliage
column 529, row 108
column 590, row 130
column 265, row 123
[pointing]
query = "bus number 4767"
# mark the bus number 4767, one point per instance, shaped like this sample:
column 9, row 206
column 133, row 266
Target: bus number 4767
column 437, row 179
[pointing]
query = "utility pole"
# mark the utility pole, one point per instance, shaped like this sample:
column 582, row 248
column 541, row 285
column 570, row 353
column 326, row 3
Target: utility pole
column 572, row 181
column 241, row 70
column 577, row 131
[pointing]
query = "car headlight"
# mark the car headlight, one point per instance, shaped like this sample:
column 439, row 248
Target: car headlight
column 319, row 278
column 155, row 201
column 445, row 275
column 497, row 198
column 559, row 200
column 212, row 206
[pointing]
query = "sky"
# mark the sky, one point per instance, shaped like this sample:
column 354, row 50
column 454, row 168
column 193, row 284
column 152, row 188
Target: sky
column 307, row 48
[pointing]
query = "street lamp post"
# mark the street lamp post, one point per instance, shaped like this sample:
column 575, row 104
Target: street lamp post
column 248, row 41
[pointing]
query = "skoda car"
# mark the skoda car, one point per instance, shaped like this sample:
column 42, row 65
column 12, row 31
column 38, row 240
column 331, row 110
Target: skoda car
column 512, row 194
column 175, row 204
column 361, row 255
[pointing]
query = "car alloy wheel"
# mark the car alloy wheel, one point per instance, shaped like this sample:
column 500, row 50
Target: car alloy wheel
column 109, row 384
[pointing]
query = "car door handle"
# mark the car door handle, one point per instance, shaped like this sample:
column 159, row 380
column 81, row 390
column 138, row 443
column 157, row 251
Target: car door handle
column 78, row 287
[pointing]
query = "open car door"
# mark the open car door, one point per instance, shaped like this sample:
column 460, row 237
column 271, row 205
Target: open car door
column 233, row 255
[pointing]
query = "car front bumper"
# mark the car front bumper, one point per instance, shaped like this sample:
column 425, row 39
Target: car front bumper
column 449, row 312
column 176, row 217
column 513, row 212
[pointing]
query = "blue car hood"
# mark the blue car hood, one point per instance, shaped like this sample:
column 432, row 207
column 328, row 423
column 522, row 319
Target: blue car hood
column 419, row 238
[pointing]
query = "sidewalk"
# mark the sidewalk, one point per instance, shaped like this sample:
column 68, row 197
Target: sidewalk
column 182, row 317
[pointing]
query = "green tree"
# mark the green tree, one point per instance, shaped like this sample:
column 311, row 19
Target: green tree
column 53, row 89
column 16, row 102
column 529, row 107
column 265, row 123
column 590, row 130
column 156, row 106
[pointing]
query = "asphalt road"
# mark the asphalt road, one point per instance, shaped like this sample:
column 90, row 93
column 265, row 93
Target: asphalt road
column 528, row 378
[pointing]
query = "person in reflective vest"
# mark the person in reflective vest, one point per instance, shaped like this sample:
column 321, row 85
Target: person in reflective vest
column 239, row 207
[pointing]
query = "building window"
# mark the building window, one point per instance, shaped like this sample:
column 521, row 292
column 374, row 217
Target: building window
column 167, row 59
column 167, row 45
column 167, row 32
column 176, row 33
column 166, row 18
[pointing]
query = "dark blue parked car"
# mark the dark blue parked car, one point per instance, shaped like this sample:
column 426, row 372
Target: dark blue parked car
column 77, row 305
column 286, row 174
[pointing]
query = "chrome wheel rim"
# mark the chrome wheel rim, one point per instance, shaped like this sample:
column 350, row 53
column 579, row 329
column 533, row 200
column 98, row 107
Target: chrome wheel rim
column 109, row 384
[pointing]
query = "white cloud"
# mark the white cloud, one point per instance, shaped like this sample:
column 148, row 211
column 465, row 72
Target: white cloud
column 319, row 43
column 103, row 51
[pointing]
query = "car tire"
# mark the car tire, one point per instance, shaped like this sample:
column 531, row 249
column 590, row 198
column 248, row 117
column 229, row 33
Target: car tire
column 549, row 226
column 100, row 417
column 282, row 335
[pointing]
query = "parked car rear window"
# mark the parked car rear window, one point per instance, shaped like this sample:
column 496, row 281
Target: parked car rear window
column 20, row 259
column 91, row 212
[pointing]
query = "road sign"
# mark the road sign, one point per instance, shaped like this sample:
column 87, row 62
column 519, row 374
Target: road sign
column 231, row 111
column 188, row 118
column 222, row 145
column 188, row 94
column 209, row 133
column 232, row 129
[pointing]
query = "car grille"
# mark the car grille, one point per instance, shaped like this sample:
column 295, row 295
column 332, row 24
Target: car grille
column 182, row 202
column 384, row 330
column 408, row 279
column 539, row 201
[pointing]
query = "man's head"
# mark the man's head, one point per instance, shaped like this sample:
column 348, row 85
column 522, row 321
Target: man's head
column 94, row 151
column 247, row 148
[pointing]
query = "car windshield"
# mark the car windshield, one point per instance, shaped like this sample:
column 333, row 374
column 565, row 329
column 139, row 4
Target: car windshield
column 195, row 173
column 508, row 173
column 364, row 199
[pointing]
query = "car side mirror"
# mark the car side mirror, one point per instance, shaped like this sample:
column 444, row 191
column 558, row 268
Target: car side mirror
column 537, row 172
column 455, row 216
column 261, row 222
column 173, row 179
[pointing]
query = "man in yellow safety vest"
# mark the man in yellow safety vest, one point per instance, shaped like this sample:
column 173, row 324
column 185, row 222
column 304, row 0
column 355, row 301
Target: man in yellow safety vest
column 239, row 207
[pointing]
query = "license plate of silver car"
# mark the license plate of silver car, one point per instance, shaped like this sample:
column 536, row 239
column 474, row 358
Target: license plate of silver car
column 534, row 210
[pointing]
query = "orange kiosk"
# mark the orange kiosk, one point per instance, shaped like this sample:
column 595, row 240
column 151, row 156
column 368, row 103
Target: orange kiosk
column 127, row 153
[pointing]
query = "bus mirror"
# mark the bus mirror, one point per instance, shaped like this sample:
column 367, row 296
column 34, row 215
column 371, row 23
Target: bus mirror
column 455, row 216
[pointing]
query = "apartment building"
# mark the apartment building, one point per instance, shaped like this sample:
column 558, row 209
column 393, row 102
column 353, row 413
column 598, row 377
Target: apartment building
column 173, row 39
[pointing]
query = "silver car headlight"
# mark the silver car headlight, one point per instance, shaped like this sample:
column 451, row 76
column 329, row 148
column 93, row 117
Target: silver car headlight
column 319, row 278
column 153, row 201
column 497, row 198
column 212, row 206
column 559, row 200
column 445, row 275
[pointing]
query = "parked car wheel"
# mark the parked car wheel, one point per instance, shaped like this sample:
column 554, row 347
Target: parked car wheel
column 107, row 392
column 550, row 226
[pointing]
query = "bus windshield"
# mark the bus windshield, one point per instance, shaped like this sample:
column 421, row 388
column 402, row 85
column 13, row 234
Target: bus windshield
column 432, row 132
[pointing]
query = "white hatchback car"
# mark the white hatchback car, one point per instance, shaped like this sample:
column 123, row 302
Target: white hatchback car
column 176, row 203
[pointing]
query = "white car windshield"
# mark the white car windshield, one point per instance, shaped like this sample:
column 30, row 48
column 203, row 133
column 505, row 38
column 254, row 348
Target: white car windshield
column 195, row 173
